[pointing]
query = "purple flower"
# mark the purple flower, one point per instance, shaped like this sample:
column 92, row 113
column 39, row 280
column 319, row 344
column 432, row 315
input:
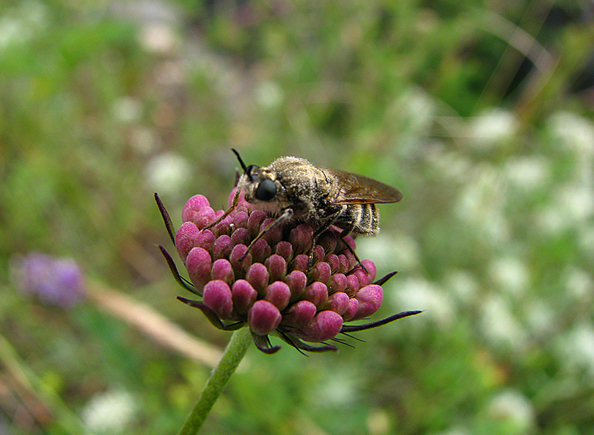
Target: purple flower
column 273, row 287
column 55, row 281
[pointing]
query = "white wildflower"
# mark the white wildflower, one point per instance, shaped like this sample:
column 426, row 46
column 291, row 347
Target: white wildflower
column 573, row 132
column 419, row 109
column 514, row 408
column 499, row 325
column 579, row 284
column 462, row 284
column 576, row 348
column 540, row 317
column 510, row 274
column 20, row 23
column 109, row 412
column 168, row 173
column 571, row 206
column 494, row 127
column 528, row 173
column 269, row 95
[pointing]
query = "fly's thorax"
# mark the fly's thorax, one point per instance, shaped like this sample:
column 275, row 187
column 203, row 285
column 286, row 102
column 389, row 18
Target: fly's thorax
column 297, row 185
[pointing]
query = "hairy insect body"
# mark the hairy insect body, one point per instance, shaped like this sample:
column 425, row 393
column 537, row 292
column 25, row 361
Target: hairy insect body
column 312, row 194
column 364, row 219
column 293, row 189
column 299, row 186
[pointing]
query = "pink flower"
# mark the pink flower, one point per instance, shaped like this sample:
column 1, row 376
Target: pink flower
column 273, row 287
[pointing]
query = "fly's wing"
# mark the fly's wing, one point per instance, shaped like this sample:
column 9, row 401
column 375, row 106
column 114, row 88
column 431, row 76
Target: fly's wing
column 357, row 189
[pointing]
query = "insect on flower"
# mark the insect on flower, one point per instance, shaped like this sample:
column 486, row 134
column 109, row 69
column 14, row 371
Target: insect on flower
column 295, row 190
column 280, row 259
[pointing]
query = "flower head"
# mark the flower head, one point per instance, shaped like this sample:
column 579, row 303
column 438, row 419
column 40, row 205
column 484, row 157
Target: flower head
column 273, row 286
column 56, row 281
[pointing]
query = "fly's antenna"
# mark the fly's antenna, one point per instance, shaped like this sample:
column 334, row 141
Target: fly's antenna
column 245, row 169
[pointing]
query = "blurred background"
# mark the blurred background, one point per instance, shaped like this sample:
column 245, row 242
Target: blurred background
column 479, row 111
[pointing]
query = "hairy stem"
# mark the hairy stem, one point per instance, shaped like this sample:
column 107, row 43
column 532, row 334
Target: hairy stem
column 234, row 353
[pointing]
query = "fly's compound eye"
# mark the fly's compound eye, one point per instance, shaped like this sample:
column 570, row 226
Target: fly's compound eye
column 266, row 190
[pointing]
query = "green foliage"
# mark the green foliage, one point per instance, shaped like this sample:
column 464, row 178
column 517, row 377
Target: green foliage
column 100, row 107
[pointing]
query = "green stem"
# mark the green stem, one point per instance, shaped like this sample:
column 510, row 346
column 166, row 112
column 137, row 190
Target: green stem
column 236, row 349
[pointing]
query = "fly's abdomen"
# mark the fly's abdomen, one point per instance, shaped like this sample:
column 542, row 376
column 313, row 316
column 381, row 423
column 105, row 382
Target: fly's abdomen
column 359, row 218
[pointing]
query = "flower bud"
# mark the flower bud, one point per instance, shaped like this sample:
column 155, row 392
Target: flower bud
column 198, row 264
column 263, row 317
column 257, row 275
column 279, row 294
column 244, row 296
column 370, row 299
column 324, row 326
column 217, row 296
column 222, row 270
column 185, row 239
column 193, row 208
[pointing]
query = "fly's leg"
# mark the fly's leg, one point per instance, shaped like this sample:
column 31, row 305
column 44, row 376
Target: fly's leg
column 286, row 214
column 234, row 203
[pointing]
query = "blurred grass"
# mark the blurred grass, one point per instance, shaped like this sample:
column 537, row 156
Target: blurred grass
column 103, row 103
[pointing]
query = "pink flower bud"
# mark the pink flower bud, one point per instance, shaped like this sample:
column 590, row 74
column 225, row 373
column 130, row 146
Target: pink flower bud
column 301, row 237
column 217, row 296
column 328, row 241
column 343, row 264
column 185, row 239
column 254, row 221
column 324, row 326
column 263, row 317
column 352, row 285
column 257, row 275
column 240, row 236
column 296, row 281
column 198, row 264
column 321, row 272
column 317, row 293
column 284, row 249
column 260, row 251
column 240, row 259
column 351, row 310
column 370, row 266
column 332, row 260
column 338, row 302
column 244, row 296
column 279, row 294
column 300, row 262
column 193, row 207
column 222, row 270
column 240, row 220
column 272, row 235
column 300, row 314
column 277, row 267
column 222, row 247
column 205, row 239
column 203, row 217
column 370, row 299
column 338, row 283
